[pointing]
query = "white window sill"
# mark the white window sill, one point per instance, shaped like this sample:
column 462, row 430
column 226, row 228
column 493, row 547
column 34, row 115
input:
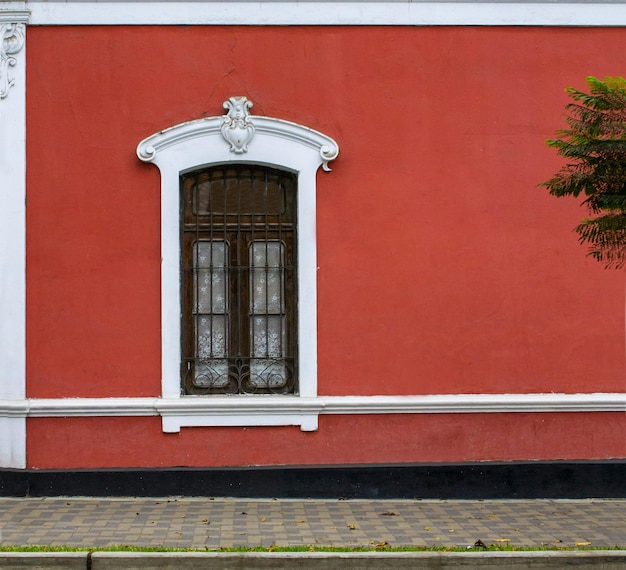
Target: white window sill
column 190, row 411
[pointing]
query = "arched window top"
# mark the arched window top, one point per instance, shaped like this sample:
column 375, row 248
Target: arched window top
column 238, row 136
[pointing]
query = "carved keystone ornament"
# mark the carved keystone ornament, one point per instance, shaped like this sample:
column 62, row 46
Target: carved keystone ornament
column 237, row 127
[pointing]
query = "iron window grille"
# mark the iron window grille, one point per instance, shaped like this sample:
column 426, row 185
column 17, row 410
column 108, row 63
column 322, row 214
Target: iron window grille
column 238, row 281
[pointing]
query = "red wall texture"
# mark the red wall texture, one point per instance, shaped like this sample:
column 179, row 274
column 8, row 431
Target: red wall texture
column 442, row 267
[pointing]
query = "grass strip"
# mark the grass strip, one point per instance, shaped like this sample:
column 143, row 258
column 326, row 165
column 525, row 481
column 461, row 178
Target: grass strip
column 303, row 548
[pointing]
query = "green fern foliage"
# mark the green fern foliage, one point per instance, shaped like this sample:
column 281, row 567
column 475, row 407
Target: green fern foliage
column 594, row 145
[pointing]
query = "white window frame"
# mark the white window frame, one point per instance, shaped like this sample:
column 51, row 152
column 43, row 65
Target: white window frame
column 200, row 144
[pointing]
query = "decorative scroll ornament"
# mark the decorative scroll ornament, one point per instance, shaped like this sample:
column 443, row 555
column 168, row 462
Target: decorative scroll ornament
column 237, row 127
column 11, row 42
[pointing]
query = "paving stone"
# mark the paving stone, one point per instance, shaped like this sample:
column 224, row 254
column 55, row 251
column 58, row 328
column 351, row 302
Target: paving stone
column 200, row 523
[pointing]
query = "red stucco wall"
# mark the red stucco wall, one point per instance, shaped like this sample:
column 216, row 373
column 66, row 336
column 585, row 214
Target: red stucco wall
column 443, row 268
column 138, row 442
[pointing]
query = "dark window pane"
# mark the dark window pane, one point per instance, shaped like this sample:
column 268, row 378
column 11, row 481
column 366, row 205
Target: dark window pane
column 238, row 281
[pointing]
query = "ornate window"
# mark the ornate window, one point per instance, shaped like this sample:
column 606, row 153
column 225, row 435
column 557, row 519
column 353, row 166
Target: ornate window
column 238, row 275
column 238, row 271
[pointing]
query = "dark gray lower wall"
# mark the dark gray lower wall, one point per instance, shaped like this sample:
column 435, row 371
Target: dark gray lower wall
column 574, row 480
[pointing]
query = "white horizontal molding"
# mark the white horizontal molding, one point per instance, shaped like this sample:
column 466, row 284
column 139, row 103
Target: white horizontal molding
column 475, row 403
column 361, row 13
column 17, row 408
column 224, row 406
column 13, row 13
column 84, row 407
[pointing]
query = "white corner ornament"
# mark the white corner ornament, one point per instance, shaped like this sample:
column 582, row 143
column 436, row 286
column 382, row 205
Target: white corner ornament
column 11, row 42
column 237, row 127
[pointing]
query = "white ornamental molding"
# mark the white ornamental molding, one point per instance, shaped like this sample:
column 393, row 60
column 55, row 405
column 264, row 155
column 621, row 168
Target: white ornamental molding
column 339, row 405
column 237, row 128
column 11, row 42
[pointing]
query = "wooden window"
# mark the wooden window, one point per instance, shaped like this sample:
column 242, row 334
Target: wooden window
column 238, row 282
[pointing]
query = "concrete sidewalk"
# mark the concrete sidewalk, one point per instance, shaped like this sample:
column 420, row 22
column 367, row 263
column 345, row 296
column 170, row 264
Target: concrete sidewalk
column 206, row 524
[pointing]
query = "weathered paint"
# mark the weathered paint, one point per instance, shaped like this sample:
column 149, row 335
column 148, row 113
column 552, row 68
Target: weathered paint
column 442, row 267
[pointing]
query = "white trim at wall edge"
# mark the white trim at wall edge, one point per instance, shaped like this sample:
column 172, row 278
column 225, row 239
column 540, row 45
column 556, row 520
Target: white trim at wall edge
column 12, row 231
column 362, row 13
